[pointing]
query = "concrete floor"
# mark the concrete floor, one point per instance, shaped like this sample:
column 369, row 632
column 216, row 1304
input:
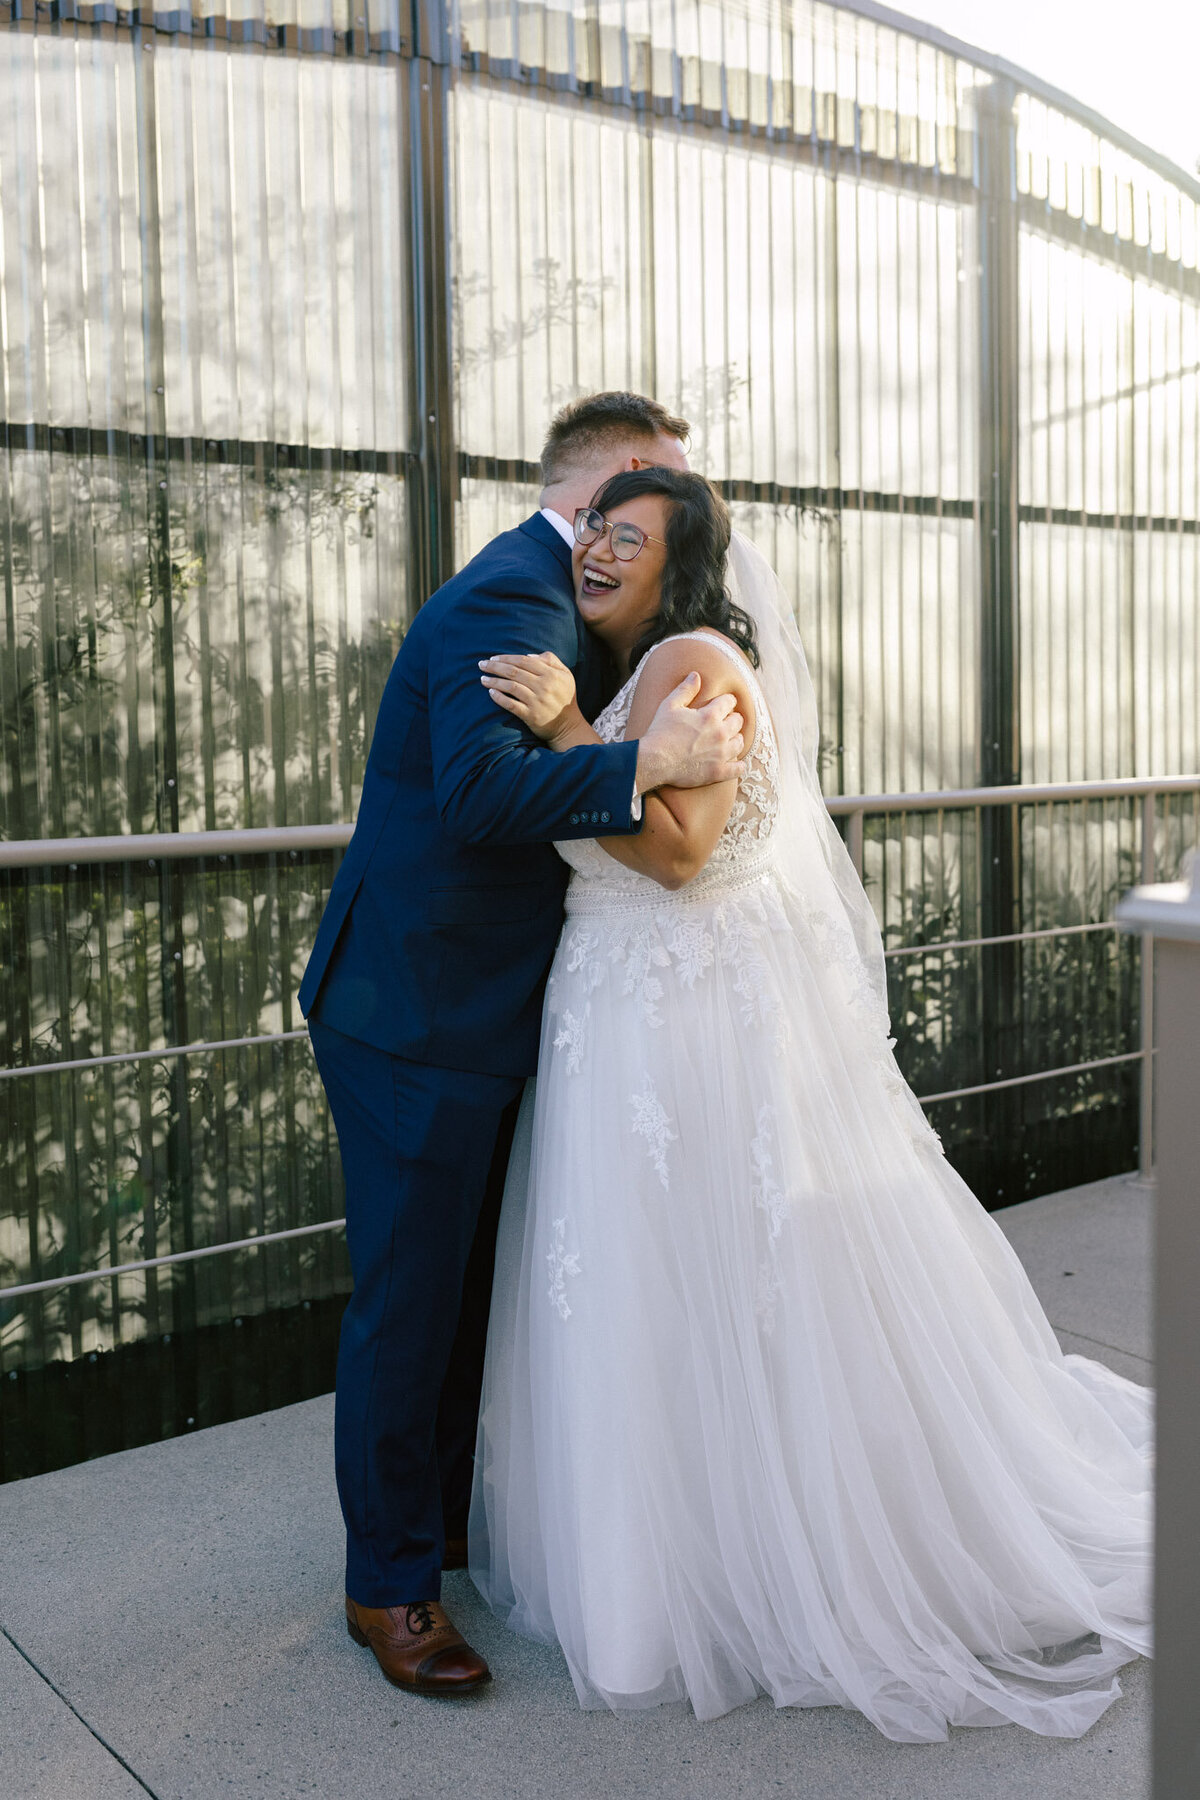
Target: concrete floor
column 172, row 1625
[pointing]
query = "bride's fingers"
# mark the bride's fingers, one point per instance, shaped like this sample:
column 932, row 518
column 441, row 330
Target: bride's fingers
column 520, row 665
column 518, row 689
column 524, row 656
column 537, row 677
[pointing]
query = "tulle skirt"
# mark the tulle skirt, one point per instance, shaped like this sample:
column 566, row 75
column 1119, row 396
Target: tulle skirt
column 770, row 1406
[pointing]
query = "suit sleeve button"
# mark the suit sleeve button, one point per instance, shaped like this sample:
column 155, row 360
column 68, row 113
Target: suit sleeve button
column 605, row 817
column 574, row 818
column 595, row 818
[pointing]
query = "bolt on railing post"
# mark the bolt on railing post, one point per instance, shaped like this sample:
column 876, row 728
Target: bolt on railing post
column 855, row 842
column 1146, row 1003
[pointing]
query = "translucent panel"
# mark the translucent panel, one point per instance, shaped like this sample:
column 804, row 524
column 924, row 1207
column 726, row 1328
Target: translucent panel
column 1067, row 163
column 211, row 245
column 887, row 606
column 906, row 343
column 72, row 281
column 815, row 333
column 314, row 25
column 910, row 612
column 1110, row 652
column 211, row 661
column 744, row 335
column 1110, row 388
column 551, row 272
column 803, row 68
column 485, row 509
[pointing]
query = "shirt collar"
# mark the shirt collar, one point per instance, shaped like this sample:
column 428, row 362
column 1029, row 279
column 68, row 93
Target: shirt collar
column 565, row 531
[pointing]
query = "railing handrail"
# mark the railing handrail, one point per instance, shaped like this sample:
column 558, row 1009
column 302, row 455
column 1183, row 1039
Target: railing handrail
column 149, row 846
column 1017, row 793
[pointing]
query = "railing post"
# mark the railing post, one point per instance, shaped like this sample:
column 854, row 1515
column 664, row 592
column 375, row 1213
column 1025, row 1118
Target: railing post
column 855, row 842
column 433, row 478
column 1173, row 914
column 1146, row 1006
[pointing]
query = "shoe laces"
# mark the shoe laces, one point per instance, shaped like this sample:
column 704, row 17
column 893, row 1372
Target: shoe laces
column 419, row 1619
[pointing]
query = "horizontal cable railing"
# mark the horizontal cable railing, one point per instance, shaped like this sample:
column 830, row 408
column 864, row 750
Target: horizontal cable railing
column 219, row 846
column 176, row 1256
column 62, row 1064
column 150, row 846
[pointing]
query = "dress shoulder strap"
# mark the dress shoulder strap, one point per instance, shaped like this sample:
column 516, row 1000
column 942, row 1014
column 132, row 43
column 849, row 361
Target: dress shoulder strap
column 705, row 637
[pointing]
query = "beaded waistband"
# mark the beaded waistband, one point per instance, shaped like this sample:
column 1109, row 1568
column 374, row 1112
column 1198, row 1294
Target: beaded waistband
column 710, row 886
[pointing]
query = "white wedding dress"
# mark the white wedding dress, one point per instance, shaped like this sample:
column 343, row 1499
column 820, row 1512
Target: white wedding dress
column 770, row 1405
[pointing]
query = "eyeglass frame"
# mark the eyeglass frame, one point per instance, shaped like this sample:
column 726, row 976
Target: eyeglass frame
column 582, row 512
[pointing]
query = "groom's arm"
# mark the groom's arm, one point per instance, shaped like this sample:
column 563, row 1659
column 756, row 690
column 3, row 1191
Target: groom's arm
column 493, row 781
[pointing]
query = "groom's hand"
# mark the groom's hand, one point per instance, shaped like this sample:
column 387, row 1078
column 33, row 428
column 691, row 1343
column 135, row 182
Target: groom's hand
column 691, row 746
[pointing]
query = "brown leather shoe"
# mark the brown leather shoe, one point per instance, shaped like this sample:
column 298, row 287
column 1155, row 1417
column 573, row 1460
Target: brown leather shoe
column 455, row 1554
column 418, row 1648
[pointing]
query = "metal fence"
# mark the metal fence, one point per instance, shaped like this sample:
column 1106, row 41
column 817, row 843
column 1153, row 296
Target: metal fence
column 287, row 297
column 220, row 846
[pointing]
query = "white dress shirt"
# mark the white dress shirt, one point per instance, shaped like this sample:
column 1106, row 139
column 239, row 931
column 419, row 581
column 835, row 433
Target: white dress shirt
column 564, row 528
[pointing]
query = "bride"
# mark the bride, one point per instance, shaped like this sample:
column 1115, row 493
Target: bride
column 770, row 1405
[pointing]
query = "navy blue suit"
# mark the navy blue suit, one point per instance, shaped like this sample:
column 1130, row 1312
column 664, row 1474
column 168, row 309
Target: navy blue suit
column 423, row 995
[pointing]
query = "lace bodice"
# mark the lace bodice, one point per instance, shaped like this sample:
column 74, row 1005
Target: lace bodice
column 743, row 850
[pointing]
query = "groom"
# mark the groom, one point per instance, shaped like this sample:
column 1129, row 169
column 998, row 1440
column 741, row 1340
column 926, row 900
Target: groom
column 423, row 996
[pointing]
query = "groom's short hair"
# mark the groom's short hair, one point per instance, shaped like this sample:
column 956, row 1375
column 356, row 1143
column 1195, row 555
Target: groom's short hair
column 588, row 428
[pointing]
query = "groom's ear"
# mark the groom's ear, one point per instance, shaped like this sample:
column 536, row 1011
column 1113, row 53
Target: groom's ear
column 675, row 458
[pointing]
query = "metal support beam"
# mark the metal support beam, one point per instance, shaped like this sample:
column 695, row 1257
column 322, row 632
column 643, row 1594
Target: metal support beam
column 433, row 478
column 999, row 749
column 1146, row 1001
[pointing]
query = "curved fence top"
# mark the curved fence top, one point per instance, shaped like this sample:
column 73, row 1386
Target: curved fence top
column 855, row 76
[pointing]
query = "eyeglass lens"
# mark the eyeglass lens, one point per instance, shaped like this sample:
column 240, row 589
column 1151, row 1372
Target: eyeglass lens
column 626, row 539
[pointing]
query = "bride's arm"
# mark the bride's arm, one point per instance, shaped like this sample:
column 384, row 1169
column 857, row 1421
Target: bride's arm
column 681, row 825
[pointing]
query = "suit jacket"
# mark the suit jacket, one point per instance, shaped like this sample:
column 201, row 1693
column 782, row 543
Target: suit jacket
column 442, row 920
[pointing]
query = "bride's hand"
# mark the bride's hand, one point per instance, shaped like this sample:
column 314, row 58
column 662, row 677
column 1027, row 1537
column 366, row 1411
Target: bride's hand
column 539, row 690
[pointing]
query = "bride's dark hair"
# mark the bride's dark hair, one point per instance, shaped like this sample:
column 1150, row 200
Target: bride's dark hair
column 693, row 582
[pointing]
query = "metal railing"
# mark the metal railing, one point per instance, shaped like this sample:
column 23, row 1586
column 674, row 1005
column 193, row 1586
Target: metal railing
column 74, row 853
column 855, row 807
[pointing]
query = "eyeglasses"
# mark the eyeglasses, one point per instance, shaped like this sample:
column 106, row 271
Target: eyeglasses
column 626, row 539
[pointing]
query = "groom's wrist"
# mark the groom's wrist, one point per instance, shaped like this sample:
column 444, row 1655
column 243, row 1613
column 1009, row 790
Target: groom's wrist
column 653, row 768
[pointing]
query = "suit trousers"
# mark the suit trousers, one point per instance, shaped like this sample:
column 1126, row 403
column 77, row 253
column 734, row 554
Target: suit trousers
column 424, row 1153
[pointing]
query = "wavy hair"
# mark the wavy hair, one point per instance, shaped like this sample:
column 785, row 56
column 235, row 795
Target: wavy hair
column 693, row 582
